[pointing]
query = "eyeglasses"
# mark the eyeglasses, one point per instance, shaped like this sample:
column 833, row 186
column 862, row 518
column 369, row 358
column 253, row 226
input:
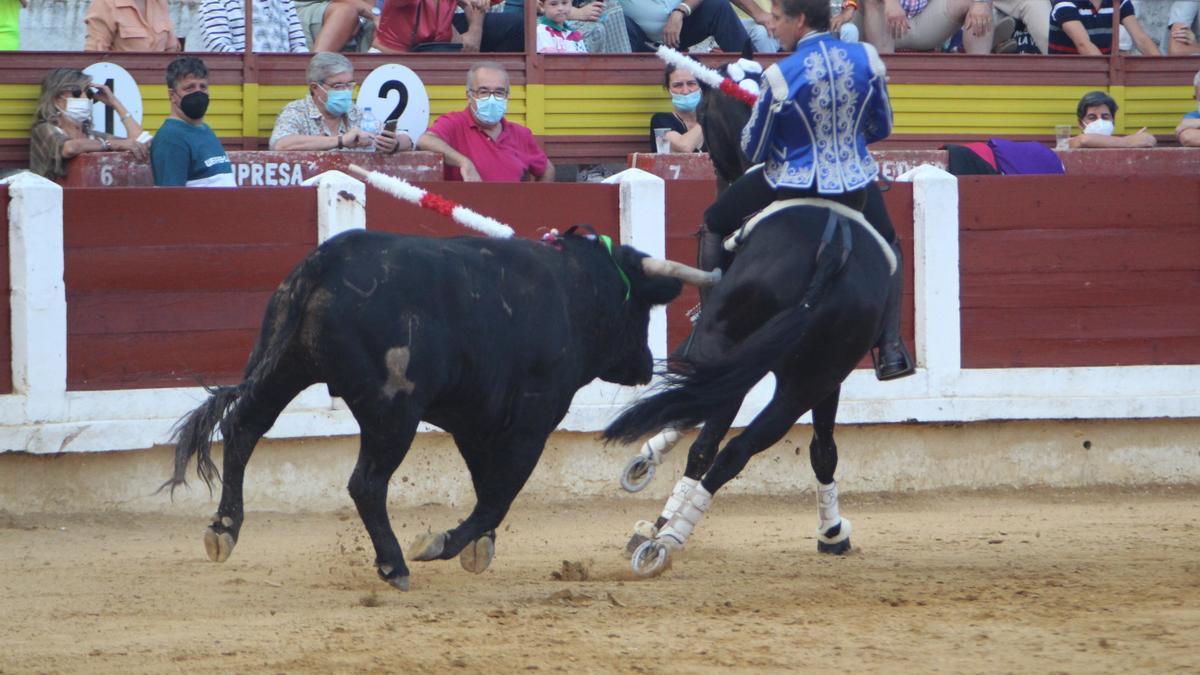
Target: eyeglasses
column 341, row 86
column 482, row 93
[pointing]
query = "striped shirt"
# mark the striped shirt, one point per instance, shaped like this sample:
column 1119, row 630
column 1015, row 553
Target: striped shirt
column 1098, row 24
column 276, row 26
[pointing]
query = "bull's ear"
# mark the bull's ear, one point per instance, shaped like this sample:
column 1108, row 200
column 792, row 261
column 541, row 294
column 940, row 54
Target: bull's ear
column 651, row 290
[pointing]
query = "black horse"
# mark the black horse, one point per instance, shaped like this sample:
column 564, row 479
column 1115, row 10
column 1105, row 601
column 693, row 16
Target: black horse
column 804, row 299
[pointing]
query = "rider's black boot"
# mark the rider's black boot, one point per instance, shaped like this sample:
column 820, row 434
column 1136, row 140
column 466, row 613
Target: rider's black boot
column 711, row 256
column 893, row 360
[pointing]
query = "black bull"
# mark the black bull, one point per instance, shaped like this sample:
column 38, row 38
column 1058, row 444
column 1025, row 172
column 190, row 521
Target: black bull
column 488, row 339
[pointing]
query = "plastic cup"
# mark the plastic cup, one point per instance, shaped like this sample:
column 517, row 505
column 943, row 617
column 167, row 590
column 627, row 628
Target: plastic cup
column 1062, row 136
column 660, row 140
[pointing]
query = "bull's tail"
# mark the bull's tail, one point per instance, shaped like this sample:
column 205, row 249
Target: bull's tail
column 193, row 434
column 689, row 398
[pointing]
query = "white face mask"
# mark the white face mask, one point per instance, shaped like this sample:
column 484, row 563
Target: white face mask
column 1101, row 127
column 78, row 110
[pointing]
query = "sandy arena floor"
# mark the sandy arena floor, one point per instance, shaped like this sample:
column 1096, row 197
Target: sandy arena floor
column 1102, row 580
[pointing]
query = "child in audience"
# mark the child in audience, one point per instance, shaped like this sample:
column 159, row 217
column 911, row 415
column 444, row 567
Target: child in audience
column 554, row 36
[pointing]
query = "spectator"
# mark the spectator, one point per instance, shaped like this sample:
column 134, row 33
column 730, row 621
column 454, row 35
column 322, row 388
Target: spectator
column 685, row 134
column 123, row 26
column 327, row 118
column 682, row 24
column 842, row 21
column 276, row 26
column 1034, row 15
column 10, row 24
column 755, row 16
column 478, row 143
column 602, row 25
column 337, row 25
column 185, row 150
column 1181, row 28
column 554, row 36
column 1188, row 131
column 62, row 125
column 407, row 24
column 1096, row 111
column 1085, row 27
column 924, row 25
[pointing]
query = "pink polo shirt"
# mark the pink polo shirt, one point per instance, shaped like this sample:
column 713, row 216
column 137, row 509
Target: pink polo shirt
column 505, row 159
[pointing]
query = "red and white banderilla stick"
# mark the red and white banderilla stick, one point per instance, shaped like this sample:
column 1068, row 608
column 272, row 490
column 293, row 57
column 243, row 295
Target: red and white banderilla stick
column 405, row 191
column 706, row 75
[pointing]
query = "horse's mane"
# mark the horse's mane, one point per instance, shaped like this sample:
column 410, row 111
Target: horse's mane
column 722, row 119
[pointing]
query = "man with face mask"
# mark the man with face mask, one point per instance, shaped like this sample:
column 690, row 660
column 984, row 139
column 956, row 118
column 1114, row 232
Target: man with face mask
column 1096, row 111
column 685, row 134
column 185, row 149
column 478, row 143
column 327, row 118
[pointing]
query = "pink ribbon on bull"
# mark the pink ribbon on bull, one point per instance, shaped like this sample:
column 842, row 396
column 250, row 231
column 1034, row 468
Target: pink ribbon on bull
column 707, row 75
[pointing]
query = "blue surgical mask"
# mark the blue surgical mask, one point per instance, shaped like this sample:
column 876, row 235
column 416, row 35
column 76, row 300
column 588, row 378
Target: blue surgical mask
column 490, row 110
column 686, row 102
column 338, row 102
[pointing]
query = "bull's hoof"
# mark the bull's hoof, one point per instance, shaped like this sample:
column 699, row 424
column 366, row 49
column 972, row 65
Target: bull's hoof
column 429, row 546
column 839, row 548
column 478, row 554
column 218, row 545
column 388, row 574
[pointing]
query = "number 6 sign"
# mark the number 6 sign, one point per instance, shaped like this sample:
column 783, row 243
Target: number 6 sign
column 394, row 92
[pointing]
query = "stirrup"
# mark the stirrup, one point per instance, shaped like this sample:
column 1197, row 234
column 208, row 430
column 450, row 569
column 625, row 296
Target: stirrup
column 895, row 371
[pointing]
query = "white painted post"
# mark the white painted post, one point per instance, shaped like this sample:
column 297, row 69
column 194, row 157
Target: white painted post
column 38, row 299
column 644, row 227
column 935, row 262
column 341, row 204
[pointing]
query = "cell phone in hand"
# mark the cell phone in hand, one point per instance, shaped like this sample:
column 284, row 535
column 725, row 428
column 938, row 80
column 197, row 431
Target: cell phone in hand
column 390, row 125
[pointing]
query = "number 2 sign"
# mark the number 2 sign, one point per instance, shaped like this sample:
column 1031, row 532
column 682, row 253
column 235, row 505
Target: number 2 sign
column 394, row 92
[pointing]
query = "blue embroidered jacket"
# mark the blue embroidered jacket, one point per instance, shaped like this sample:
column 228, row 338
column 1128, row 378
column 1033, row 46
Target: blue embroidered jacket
column 817, row 111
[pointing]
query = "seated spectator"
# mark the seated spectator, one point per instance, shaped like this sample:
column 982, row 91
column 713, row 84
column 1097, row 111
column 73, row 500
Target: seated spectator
column 1188, row 131
column 276, row 26
column 842, row 21
column 924, row 25
column 327, row 118
column 682, row 24
column 1096, row 111
column 10, row 24
column 124, row 26
column 478, row 143
column 602, row 25
column 405, row 25
column 62, row 124
column 554, row 36
column 185, row 150
column 1034, row 15
column 1085, row 27
column 337, row 25
column 1182, row 28
column 755, row 16
column 685, row 134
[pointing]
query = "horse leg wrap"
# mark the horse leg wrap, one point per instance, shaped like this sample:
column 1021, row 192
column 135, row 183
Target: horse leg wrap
column 681, row 525
column 829, row 518
column 660, row 444
column 678, row 495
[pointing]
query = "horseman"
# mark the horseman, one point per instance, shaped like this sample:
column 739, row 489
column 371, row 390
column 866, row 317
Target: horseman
column 817, row 111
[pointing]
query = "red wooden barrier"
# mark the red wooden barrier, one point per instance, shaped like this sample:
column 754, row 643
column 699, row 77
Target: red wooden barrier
column 6, row 384
column 1080, row 271
column 166, row 287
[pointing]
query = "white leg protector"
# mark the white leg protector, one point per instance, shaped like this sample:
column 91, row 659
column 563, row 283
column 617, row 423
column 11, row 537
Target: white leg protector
column 660, row 444
column 678, row 495
column 681, row 525
column 828, row 516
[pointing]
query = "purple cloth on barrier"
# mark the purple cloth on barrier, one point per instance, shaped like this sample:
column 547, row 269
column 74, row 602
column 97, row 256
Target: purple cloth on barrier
column 1025, row 157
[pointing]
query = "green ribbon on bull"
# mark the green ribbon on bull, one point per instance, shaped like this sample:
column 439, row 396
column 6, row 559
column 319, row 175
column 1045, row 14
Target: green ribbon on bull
column 607, row 241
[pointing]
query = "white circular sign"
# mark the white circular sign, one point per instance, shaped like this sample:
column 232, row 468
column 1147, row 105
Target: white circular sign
column 123, row 86
column 394, row 92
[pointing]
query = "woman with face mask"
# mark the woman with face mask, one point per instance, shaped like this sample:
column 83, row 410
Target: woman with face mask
column 327, row 118
column 62, row 125
column 685, row 134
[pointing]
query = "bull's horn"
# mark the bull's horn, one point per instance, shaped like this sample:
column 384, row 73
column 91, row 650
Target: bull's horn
column 689, row 275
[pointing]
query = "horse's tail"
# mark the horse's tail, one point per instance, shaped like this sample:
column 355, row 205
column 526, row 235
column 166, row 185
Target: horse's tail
column 689, row 398
column 193, row 434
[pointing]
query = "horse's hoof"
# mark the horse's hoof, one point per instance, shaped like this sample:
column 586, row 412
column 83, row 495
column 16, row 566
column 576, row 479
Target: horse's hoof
column 839, row 548
column 650, row 559
column 478, row 554
column 634, row 542
column 429, row 546
column 643, row 531
column 400, row 581
column 637, row 474
column 218, row 545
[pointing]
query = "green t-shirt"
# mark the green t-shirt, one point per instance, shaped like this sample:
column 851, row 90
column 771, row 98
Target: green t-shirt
column 10, row 25
column 189, row 154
